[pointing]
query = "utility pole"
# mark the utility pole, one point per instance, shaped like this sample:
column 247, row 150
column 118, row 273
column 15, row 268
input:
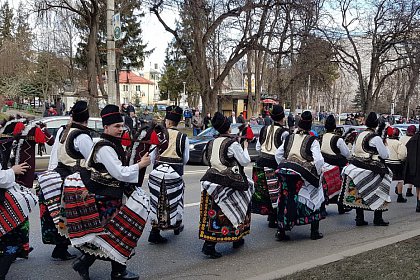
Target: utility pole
column 110, row 54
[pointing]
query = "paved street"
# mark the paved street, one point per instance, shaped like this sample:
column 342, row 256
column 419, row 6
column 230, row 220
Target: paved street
column 181, row 257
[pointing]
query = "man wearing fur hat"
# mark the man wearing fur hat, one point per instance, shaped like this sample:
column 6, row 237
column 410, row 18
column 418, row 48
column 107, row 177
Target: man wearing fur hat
column 165, row 181
column 263, row 174
column 104, row 181
column 300, row 165
column 367, row 180
column 71, row 148
column 226, row 191
column 335, row 153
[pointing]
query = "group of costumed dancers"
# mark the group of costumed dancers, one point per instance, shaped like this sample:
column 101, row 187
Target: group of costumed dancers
column 91, row 197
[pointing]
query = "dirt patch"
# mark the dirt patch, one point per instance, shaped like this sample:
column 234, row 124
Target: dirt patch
column 397, row 261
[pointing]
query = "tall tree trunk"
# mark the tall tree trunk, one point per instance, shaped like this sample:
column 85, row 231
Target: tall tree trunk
column 91, row 68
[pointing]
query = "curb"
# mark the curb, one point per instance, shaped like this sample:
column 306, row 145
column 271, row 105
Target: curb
column 336, row 257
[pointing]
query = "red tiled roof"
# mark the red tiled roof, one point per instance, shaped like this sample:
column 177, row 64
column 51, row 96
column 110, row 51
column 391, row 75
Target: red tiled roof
column 128, row 77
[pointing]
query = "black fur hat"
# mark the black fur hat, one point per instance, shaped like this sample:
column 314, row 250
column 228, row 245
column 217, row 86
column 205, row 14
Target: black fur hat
column 372, row 120
column 110, row 114
column 220, row 123
column 330, row 123
column 277, row 113
column 305, row 121
column 174, row 113
column 80, row 111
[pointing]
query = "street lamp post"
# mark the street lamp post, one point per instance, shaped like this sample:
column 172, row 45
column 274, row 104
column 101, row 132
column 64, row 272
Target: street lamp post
column 184, row 97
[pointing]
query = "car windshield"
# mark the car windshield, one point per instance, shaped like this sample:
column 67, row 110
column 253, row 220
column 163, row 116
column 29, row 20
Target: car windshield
column 209, row 132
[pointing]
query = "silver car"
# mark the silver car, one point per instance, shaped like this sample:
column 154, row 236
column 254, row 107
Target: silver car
column 53, row 124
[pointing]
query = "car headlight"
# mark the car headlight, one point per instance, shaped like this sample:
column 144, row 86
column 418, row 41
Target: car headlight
column 191, row 147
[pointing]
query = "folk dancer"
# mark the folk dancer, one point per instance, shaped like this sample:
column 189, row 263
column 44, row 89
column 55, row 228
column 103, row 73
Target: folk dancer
column 396, row 160
column 226, row 192
column 108, row 229
column 300, row 194
column 264, row 200
column 335, row 153
column 165, row 181
column 71, row 148
column 16, row 202
column 411, row 131
column 27, row 136
column 367, row 180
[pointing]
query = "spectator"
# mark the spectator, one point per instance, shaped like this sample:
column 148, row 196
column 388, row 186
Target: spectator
column 52, row 112
column 253, row 121
column 197, row 123
column 241, row 118
column 233, row 118
column 135, row 122
column 187, row 117
column 297, row 118
column 207, row 121
column 260, row 120
column 146, row 117
column 290, row 121
column 267, row 120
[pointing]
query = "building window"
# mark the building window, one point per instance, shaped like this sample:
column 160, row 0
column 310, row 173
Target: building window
column 125, row 87
column 156, row 66
column 137, row 88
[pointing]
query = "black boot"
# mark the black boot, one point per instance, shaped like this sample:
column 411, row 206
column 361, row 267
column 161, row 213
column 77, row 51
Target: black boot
column 179, row 230
column 418, row 205
column 60, row 253
column 401, row 199
column 281, row 235
column 82, row 264
column 360, row 218
column 209, row 249
column 342, row 209
column 409, row 193
column 323, row 210
column 238, row 244
column 156, row 238
column 120, row 272
column 272, row 220
column 315, row 234
column 377, row 220
column 5, row 263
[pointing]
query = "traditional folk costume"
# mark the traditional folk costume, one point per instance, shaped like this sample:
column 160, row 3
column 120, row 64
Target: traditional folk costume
column 396, row 160
column 226, row 191
column 71, row 148
column 264, row 200
column 367, row 180
column 97, row 221
column 16, row 199
column 335, row 153
column 165, row 181
column 411, row 130
column 300, row 194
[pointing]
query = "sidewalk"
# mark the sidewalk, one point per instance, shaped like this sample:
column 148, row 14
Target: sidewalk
column 396, row 261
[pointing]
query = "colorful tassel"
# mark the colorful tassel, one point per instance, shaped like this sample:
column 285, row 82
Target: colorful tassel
column 19, row 127
column 40, row 137
column 125, row 139
column 249, row 133
column 154, row 139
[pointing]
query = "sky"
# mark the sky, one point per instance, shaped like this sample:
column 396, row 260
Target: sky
column 153, row 34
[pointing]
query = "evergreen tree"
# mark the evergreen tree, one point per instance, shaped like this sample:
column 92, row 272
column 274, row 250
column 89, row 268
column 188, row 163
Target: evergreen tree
column 23, row 34
column 6, row 23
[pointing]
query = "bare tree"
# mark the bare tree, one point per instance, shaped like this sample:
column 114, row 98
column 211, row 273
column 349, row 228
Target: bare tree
column 199, row 26
column 89, row 11
column 368, row 39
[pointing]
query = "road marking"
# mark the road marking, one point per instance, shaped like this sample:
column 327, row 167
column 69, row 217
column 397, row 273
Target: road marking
column 191, row 204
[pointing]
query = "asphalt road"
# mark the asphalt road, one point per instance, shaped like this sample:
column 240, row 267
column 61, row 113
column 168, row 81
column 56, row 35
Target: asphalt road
column 181, row 257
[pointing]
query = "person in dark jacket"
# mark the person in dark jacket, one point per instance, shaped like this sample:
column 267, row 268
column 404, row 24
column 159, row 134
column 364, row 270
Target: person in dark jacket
column 291, row 121
column 207, row 121
column 412, row 168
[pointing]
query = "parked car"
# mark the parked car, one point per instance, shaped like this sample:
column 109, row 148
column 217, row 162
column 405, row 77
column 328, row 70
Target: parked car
column 198, row 143
column 53, row 125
